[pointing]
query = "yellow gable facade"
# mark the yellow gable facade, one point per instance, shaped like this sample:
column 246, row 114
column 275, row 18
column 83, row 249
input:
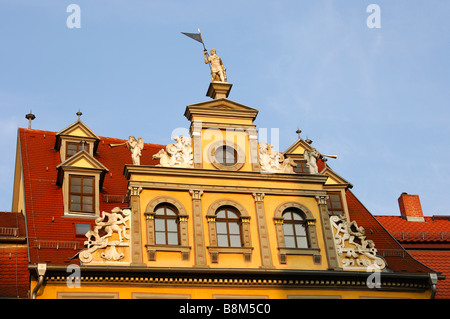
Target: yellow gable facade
column 224, row 216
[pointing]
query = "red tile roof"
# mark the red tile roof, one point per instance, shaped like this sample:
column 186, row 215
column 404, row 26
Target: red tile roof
column 434, row 229
column 14, row 275
column 52, row 237
column 425, row 241
column 440, row 261
column 397, row 258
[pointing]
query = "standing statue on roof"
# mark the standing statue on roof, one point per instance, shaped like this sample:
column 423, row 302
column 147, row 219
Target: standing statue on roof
column 311, row 158
column 218, row 71
column 135, row 146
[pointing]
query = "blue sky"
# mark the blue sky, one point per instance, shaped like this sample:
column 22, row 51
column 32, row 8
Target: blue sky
column 379, row 98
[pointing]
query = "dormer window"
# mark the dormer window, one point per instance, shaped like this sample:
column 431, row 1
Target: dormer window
column 74, row 147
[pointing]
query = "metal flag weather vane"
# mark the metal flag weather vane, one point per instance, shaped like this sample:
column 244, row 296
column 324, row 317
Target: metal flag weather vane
column 196, row 37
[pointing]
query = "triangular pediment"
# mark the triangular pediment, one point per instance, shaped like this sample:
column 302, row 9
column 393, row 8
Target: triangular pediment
column 77, row 130
column 83, row 160
column 334, row 178
column 221, row 108
column 79, row 162
column 298, row 148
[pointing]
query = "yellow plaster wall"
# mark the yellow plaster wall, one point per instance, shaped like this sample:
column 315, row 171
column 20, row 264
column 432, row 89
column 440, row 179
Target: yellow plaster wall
column 123, row 291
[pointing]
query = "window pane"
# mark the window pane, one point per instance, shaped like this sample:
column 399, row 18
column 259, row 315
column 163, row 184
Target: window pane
column 302, row 242
column 289, row 241
column 297, row 216
column 160, row 238
column 159, row 224
column 231, row 214
column 170, row 212
column 88, row 189
column 75, row 180
column 287, row 216
column 82, row 229
column 222, row 240
column 172, row 225
column 288, row 229
column 172, row 238
column 75, row 207
column 235, row 241
column 87, row 208
column 300, row 230
column 221, row 228
column 234, row 228
column 229, row 156
column 88, row 182
column 221, row 214
column 159, row 211
column 88, row 200
column 74, row 199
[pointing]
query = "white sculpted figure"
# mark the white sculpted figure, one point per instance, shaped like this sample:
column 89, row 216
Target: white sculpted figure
column 115, row 222
column 272, row 161
column 178, row 154
column 218, row 71
column 311, row 158
column 355, row 251
column 135, row 146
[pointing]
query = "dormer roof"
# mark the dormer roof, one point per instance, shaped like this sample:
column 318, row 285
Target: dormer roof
column 81, row 160
column 78, row 130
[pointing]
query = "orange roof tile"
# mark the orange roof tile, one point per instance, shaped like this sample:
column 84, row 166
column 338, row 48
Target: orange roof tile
column 14, row 276
column 439, row 261
column 434, row 229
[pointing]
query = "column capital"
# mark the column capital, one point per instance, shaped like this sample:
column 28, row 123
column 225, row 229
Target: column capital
column 259, row 197
column 196, row 193
column 134, row 190
column 322, row 199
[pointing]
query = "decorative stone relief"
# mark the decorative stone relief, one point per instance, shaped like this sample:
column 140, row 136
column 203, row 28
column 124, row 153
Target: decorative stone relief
column 273, row 161
column 178, row 154
column 353, row 249
column 111, row 231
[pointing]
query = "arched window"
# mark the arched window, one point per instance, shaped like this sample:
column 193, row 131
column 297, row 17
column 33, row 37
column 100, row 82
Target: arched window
column 228, row 227
column 166, row 225
column 294, row 228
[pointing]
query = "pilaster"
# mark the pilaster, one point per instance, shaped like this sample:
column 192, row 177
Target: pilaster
column 136, row 238
column 333, row 262
column 266, row 256
column 199, row 239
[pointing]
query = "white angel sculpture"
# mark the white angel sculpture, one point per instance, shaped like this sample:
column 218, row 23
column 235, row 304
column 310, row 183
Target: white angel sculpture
column 135, row 146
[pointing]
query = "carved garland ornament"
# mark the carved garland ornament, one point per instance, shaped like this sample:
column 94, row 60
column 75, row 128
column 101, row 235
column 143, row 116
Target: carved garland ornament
column 178, row 154
column 115, row 222
column 353, row 249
